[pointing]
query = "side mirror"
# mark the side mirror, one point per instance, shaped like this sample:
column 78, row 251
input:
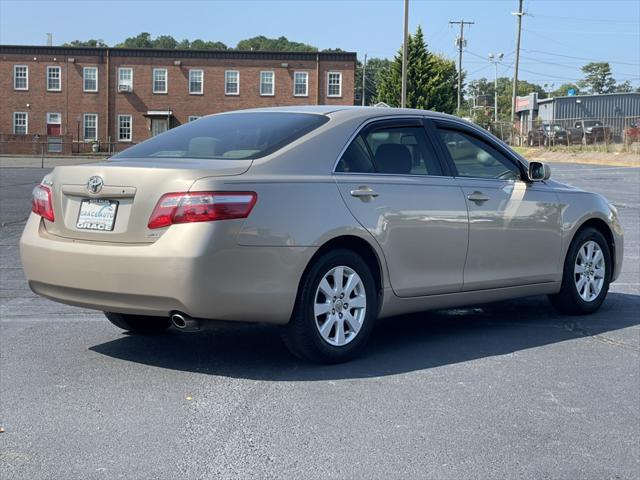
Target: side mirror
column 539, row 171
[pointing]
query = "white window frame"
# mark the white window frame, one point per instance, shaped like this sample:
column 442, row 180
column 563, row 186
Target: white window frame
column 166, row 80
column 84, row 127
column 306, row 84
column 226, row 73
column 26, row 77
column 49, row 122
column 192, row 118
column 193, row 71
column 273, row 83
column 339, row 94
column 129, row 138
column 84, row 79
column 128, row 82
column 51, row 68
column 26, row 122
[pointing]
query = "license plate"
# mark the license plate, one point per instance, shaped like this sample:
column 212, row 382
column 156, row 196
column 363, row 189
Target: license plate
column 97, row 214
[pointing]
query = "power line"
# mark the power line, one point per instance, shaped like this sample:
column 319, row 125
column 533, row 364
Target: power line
column 583, row 20
column 581, row 58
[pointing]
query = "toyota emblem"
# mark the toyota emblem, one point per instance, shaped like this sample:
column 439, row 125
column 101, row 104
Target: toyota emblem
column 94, row 185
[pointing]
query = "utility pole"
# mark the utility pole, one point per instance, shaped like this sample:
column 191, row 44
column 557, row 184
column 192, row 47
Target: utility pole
column 364, row 76
column 403, row 99
column 519, row 14
column 495, row 59
column 460, row 42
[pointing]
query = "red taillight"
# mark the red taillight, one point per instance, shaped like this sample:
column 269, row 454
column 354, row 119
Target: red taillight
column 201, row 207
column 42, row 203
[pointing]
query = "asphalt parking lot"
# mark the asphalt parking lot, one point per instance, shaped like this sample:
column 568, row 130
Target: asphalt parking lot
column 508, row 390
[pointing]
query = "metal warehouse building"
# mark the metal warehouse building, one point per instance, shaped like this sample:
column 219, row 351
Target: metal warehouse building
column 617, row 110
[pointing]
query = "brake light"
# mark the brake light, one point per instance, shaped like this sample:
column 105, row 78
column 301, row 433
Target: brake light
column 201, row 207
column 42, row 203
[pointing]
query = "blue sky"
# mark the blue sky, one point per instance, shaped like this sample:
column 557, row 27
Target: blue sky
column 559, row 36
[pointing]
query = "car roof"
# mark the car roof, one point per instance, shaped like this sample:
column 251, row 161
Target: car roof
column 350, row 111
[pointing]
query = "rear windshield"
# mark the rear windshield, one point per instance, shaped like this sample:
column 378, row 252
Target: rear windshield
column 232, row 136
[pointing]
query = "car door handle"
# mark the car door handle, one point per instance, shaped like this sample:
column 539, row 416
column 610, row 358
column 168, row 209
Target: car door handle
column 363, row 191
column 478, row 197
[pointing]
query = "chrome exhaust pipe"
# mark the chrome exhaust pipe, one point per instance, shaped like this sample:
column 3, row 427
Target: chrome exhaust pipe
column 184, row 322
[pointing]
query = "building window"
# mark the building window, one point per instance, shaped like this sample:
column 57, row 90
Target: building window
column 300, row 84
column 125, row 78
column 159, row 80
column 334, row 84
column 90, row 126
column 20, row 77
column 54, row 119
column 90, row 79
column 53, row 79
column 267, row 81
column 20, row 123
column 232, row 82
column 192, row 118
column 196, row 81
column 124, row 128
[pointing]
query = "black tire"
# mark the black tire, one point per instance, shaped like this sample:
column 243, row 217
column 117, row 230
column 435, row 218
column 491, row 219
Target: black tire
column 568, row 300
column 139, row 323
column 301, row 335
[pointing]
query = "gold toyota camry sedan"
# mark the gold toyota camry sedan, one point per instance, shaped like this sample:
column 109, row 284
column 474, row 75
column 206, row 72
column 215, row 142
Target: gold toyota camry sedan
column 319, row 219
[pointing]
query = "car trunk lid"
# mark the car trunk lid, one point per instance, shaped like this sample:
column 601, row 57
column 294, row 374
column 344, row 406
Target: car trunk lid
column 123, row 193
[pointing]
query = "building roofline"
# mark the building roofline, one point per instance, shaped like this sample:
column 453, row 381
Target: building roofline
column 175, row 53
column 546, row 100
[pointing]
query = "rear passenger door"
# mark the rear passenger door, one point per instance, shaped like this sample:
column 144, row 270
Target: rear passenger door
column 397, row 188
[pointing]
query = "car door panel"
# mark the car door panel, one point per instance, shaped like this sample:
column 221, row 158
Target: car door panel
column 421, row 226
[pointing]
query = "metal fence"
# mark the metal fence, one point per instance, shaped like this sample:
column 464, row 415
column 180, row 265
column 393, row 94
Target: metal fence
column 41, row 145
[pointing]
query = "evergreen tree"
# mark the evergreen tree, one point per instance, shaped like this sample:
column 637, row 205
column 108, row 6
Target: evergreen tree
column 431, row 78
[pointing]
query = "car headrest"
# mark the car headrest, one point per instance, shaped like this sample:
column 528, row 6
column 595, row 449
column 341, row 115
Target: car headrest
column 202, row 147
column 393, row 158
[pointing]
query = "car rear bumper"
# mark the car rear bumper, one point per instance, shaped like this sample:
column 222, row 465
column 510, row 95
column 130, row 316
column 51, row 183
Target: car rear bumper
column 191, row 269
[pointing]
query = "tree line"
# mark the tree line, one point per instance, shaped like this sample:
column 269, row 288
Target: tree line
column 431, row 77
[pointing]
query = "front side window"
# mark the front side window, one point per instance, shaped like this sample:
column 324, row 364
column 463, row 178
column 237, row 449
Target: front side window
column 90, row 79
column 124, row 128
column 90, row 129
column 20, row 77
column 229, row 136
column 20, row 123
column 196, row 81
column 125, row 77
column 231, row 82
column 54, row 79
column 334, row 84
column 267, row 83
column 159, row 80
column 391, row 150
column 475, row 158
column 300, row 84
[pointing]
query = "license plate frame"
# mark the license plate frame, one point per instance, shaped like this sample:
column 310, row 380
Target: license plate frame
column 93, row 216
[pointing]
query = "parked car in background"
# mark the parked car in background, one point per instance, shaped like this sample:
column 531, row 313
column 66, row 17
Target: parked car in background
column 548, row 134
column 593, row 131
column 319, row 219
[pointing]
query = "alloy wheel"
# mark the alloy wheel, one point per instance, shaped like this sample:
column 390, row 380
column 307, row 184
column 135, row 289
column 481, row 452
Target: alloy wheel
column 589, row 271
column 340, row 306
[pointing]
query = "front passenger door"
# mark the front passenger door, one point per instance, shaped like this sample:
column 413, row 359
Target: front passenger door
column 514, row 225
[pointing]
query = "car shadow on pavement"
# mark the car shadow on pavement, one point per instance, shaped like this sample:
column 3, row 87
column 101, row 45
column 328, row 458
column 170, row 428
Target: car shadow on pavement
column 398, row 345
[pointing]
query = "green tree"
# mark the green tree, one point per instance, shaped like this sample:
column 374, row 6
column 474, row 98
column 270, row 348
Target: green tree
column 281, row 44
column 165, row 41
column 484, row 86
column 198, row 44
column 142, row 40
column 431, row 78
column 624, row 87
column 375, row 69
column 86, row 43
column 598, row 78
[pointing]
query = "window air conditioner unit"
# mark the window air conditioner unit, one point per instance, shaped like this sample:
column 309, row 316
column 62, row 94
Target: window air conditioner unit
column 124, row 88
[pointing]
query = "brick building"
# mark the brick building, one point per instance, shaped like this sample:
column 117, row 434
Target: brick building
column 71, row 100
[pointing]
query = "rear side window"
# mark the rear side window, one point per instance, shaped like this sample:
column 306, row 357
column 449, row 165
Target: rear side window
column 402, row 150
column 233, row 136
